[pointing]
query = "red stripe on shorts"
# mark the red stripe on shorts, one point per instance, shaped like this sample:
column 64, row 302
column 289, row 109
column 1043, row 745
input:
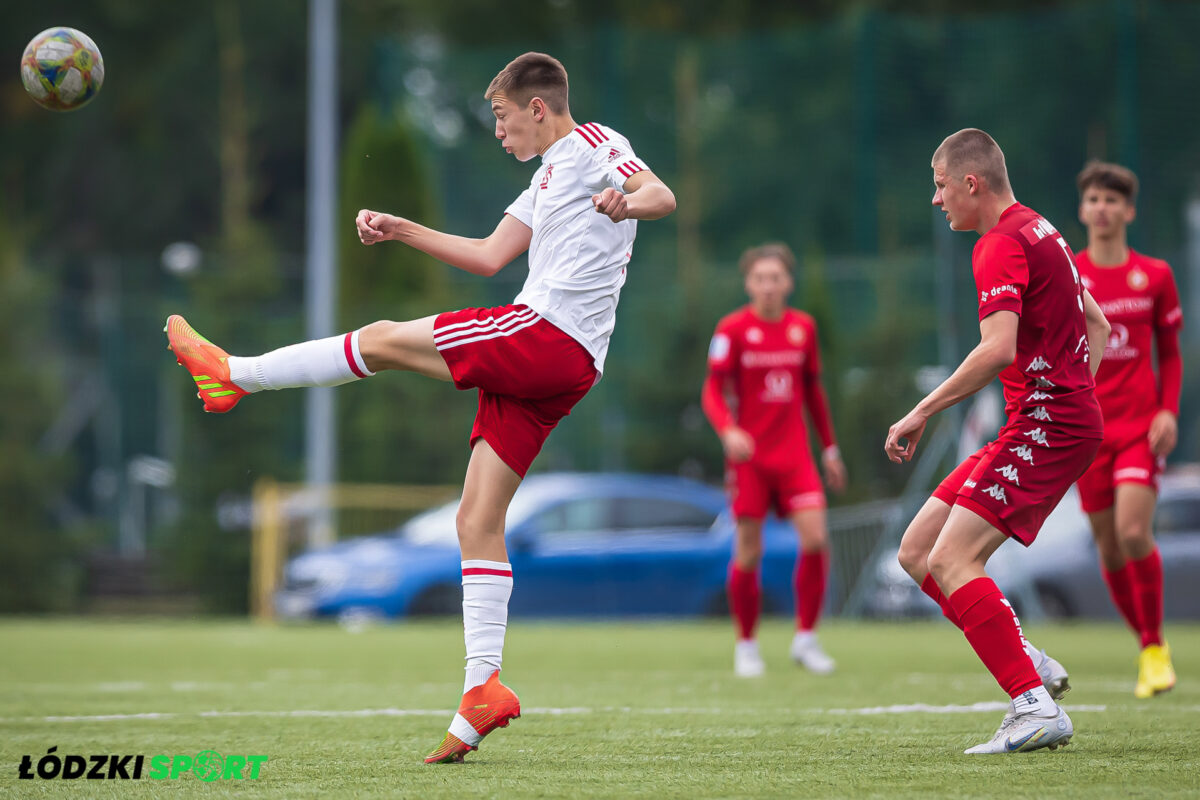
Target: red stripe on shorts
column 350, row 356
column 504, row 573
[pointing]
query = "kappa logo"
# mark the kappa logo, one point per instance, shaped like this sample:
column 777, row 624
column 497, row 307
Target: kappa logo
column 1041, row 414
column 1010, row 473
column 1038, row 435
column 1044, row 383
column 996, row 492
column 1036, row 396
column 1038, row 364
column 1023, row 452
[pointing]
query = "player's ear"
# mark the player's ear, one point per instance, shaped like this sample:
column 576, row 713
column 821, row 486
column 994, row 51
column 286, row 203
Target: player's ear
column 537, row 106
column 1130, row 212
column 972, row 182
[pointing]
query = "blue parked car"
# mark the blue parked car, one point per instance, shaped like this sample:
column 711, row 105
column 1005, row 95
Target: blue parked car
column 580, row 544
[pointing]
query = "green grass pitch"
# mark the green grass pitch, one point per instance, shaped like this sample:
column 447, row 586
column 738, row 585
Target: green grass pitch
column 611, row 710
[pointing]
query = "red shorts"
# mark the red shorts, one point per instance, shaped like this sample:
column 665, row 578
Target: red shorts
column 754, row 489
column 1122, row 459
column 529, row 374
column 1017, row 480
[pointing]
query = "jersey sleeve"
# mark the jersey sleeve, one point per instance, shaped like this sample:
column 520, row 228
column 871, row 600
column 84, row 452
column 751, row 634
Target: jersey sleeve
column 1167, row 311
column 815, row 399
column 1001, row 274
column 521, row 209
column 615, row 162
column 720, row 372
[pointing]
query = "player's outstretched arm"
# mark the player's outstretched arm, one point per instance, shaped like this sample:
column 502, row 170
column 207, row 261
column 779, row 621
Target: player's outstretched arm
column 1097, row 330
column 996, row 350
column 477, row 256
column 645, row 197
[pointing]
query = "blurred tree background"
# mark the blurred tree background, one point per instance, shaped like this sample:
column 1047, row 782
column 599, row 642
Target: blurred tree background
column 812, row 123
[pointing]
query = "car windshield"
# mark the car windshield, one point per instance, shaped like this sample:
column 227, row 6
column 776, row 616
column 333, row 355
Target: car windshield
column 437, row 526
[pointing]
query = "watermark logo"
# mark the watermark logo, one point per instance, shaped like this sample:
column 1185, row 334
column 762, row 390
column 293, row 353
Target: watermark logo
column 207, row 766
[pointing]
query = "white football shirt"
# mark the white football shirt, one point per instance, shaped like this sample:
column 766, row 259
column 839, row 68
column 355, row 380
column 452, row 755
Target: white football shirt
column 577, row 256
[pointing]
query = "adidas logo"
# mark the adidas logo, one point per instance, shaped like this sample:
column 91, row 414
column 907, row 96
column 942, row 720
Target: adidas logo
column 997, row 493
column 1023, row 452
column 1041, row 414
column 1037, row 365
column 1038, row 435
column 1009, row 472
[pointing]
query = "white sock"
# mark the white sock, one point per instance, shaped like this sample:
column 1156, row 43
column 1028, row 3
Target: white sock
column 1035, row 655
column 487, row 585
column 1036, row 701
column 320, row 362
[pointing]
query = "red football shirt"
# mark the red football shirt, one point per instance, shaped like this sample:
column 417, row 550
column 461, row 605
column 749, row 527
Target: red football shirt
column 1024, row 265
column 1140, row 300
column 769, row 368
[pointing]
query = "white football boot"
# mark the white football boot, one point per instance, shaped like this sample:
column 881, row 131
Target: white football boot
column 747, row 663
column 807, row 652
column 1053, row 674
column 1021, row 733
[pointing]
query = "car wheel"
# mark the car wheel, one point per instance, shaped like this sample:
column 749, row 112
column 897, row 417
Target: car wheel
column 437, row 601
column 1054, row 603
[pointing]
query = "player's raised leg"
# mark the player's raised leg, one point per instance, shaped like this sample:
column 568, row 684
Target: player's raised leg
column 487, row 583
column 957, row 562
column 744, row 590
column 915, row 546
column 808, row 583
column 223, row 379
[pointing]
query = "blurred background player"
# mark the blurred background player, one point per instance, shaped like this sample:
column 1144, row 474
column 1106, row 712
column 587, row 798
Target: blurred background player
column 1037, row 327
column 765, row 357
column 531, row 361
column 1137, row 294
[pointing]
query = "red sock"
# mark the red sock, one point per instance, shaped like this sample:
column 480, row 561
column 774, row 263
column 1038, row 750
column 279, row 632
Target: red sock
column 1148, row 583
column 929, row 586
column 745, row 599
column 992, row 629
column 1124, row 596
column 808, row 583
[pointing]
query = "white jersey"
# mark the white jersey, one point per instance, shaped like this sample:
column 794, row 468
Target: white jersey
column 577, row 256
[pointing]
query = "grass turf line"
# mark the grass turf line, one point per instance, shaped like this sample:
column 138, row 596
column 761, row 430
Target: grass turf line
column 650, row 710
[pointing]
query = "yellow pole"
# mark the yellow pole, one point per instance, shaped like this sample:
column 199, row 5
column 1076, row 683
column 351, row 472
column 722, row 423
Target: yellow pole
column 265, row 549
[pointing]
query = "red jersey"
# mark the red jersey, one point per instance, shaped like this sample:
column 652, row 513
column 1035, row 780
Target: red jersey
column 1141, row 303
column 1024, row 265
column 772, row 370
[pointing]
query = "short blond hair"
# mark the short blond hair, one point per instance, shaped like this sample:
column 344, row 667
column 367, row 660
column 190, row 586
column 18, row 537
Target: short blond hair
column 532, row 75
column 971, row 151
column 777, row 250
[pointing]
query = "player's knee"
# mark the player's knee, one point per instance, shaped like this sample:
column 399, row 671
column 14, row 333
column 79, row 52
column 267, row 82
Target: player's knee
column 914, row 559
column 941, row 565
column 474, row 528
column 1137, row 538
column 381, row 345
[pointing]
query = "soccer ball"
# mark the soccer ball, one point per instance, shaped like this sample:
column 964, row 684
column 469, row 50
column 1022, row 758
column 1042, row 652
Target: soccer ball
column 62, row 69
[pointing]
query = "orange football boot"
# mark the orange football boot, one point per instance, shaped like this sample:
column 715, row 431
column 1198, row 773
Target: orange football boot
column 207, row 363
column 488, row 706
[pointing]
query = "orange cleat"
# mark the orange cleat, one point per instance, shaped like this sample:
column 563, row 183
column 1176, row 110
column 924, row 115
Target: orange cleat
column 488, row 706
column 207, row 364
